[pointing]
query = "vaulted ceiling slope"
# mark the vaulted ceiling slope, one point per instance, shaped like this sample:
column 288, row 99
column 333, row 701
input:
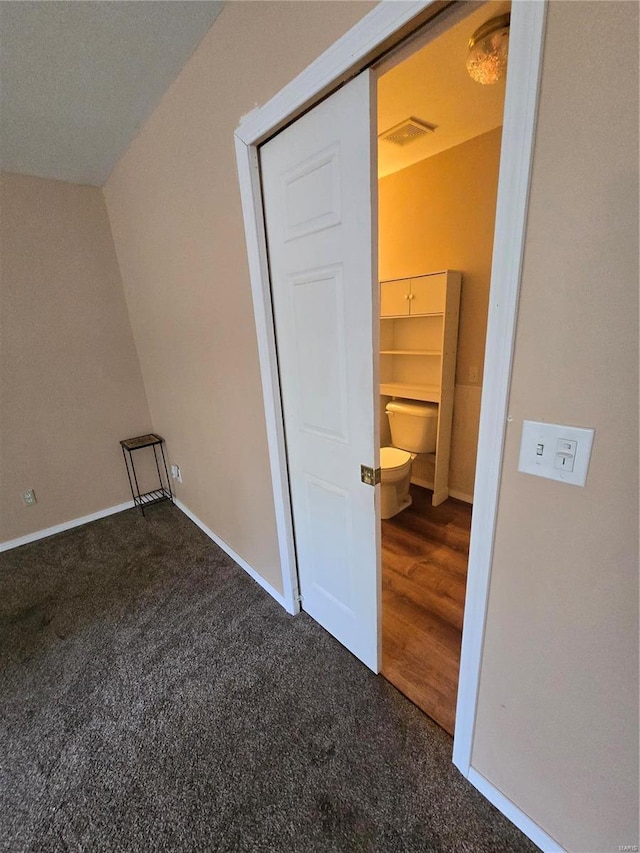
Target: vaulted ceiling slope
column 78, row 79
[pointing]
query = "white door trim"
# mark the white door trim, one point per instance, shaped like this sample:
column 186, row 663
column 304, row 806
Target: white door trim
column 355, row 50
column 362, row 45
column 526, row 40
column 256, row 238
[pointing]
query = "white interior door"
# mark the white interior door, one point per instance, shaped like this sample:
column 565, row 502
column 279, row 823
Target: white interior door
column 319, row 188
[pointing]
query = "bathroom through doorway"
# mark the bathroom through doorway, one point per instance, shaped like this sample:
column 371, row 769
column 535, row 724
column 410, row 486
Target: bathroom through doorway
column 439, row 138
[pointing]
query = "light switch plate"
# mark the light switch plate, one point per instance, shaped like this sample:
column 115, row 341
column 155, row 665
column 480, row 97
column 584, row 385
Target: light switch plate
column 555, row 451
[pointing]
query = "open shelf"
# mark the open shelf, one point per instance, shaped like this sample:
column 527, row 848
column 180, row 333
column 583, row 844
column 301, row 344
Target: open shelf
column 427, row 393
column 152, row 497
column 412, row 316
column 411, row 352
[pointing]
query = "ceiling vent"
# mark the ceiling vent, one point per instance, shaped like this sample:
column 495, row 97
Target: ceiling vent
column 409, row 130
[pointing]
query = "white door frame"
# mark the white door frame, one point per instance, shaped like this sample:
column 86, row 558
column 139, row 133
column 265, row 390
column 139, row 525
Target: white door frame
column 386, row 25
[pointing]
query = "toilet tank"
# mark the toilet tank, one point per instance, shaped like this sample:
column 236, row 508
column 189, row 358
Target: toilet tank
column 413, row 425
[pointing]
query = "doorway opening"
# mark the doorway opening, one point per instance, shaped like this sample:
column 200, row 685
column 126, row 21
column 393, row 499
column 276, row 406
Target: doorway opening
column 439, row 138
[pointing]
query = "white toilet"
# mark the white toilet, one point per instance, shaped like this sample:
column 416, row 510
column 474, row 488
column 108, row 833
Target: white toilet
column 414, row 428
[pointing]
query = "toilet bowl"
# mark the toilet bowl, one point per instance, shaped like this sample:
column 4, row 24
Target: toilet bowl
column 395, row 477
column 413, row 430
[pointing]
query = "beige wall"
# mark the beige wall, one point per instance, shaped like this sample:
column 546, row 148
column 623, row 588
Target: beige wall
column 174, row 207
column 557, row 724
column 70, row 383
column 440, row 214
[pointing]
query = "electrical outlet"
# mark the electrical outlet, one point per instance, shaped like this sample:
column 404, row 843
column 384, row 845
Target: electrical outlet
column 176, row 473
column 29, row 497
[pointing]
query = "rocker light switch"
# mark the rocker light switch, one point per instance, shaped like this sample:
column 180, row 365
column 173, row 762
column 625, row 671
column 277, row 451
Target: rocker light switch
column 555, row 451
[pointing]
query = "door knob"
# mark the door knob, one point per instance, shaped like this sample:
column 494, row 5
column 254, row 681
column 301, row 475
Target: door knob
column 370, row 476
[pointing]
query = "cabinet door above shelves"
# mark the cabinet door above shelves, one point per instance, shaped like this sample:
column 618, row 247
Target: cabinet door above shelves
column 394, row 297
column 410, row 297
column 428, row 294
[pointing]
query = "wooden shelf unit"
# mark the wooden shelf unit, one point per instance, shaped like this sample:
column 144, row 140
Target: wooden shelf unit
column 418, row 347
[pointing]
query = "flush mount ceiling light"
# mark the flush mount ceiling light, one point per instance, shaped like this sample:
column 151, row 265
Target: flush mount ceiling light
column 409, row 130
column 488, row 50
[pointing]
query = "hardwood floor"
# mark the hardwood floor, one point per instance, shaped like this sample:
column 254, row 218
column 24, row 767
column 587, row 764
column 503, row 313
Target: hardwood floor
column 425, row 550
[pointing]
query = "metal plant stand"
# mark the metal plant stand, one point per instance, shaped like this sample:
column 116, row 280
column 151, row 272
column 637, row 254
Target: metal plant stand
column 163, row 493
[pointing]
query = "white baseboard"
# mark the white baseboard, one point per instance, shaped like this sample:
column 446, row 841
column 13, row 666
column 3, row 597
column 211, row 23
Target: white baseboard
column 514, row 814
column 273, row 592
column 460, row 496
column 66, row 525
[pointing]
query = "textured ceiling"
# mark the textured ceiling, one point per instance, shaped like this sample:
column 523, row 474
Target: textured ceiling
column 79, row 78
column 433, row 85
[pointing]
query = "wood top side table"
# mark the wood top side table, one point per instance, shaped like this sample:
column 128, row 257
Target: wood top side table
column 162, row 493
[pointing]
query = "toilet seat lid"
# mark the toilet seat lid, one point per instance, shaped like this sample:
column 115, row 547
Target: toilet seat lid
column 392, row 458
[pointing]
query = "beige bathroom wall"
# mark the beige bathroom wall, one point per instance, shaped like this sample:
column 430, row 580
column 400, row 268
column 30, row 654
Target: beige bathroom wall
column 557, row 723
column 70, row 382
column 440, row 214
column 174, row 206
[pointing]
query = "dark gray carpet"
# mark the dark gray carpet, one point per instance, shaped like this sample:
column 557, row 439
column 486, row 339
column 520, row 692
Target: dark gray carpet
column 154, row 698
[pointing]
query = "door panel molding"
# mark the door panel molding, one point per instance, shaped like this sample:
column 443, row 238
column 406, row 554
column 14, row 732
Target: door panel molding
column 364, row 44
column 330, row 213
column 331, row 363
